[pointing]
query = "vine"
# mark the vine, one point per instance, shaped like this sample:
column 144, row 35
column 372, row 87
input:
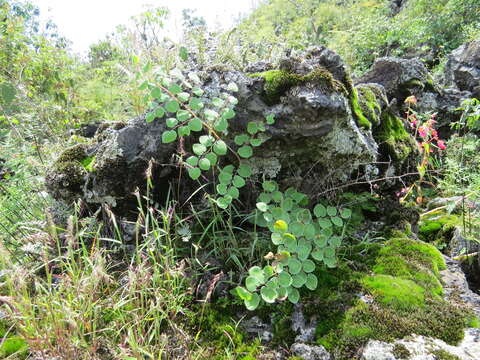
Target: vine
column 302, row 238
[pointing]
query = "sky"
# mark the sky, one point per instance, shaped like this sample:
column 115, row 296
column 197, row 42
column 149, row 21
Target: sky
column 86, row 21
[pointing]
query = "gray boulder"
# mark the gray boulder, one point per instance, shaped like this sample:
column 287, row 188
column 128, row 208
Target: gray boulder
column 462, row 70
column 418, row 347
column 310, row 352
column 400, row 77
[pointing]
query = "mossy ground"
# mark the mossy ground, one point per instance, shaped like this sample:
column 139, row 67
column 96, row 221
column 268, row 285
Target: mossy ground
column 221, row 334
column 402, row 280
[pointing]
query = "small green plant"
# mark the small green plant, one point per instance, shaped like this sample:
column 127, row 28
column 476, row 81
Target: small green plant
column 301, row 238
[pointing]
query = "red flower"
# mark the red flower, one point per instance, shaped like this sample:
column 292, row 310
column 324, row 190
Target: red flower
column 441, row 144
column 422, row 131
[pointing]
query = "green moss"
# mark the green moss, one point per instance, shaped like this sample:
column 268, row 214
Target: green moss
column 369, row 104
column 278, row 82
column 362, row 121
column 395, row 292
column 88, row 163
column 75, row 172
column 75, row 153
column 363, row 322
column 280, row 317
column 414, row 83
column 394, row 140
column 412, row 260
column 473, row 322
column 444, row 355
column 437, row 224
column 328, row 303
column 13, row 345
column 71, row 164
column 406, row 291
column 401, row 352
column 220, row 332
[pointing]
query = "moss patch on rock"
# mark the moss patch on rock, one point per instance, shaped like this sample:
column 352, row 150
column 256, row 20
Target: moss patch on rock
column 405, row 297
column 434, row 226
column 401, row 352
column 441, row 354
column 413, row 260
column 393, row 139
column 393, row 291
column 278, row 82
column 69, row 171
column 369, row 102
column 362, row 120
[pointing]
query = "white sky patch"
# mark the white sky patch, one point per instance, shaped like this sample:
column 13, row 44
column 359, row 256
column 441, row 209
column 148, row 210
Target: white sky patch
column 87, row 21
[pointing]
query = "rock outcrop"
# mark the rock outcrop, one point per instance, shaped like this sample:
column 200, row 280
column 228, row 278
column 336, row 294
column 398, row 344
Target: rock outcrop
column 462, row 70
column 322, row 134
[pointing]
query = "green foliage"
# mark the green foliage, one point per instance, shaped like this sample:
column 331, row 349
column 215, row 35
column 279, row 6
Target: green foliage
column 361, row 31
column 13, row 345
column 302, row 238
